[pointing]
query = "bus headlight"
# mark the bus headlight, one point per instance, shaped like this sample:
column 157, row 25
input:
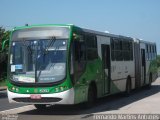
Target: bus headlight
column 13, row 88
column 61, row 88
column 17, row 89
column 57, row 89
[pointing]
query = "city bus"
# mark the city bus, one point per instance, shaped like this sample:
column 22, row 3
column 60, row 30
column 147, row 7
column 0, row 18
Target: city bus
column 66, row 64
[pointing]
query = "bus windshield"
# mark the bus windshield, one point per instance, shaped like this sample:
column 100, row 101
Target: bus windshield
column 38, row 61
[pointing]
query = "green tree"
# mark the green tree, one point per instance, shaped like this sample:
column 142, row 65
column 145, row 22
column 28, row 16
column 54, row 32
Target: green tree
column 4, row 43
column 4, row 35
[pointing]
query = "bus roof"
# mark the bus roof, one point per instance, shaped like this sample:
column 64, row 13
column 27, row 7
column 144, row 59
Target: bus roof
column 145, row 42
column 42, row 25
column 83, row 29
column 102, row 33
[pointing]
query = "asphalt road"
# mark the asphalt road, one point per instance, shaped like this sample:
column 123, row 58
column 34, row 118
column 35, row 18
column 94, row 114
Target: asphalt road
column 4, row 105
column 141, row 101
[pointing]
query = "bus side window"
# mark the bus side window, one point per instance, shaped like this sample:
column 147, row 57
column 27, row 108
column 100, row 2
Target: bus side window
column 79, row 51
column 80, row 57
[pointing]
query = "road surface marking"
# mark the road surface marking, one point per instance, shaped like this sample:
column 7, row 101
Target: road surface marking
column 18, row 110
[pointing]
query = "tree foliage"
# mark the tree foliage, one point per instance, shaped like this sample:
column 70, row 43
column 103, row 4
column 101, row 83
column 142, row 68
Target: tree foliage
column 4, row 35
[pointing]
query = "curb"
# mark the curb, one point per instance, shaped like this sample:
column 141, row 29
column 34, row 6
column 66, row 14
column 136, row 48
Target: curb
column 3, row 88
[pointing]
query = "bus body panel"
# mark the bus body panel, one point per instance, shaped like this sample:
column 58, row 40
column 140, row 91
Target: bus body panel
column 145, row 62
column 110, row 76
column 66, row 97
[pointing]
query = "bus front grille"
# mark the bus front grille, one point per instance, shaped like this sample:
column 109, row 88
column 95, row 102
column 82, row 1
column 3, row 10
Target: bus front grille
column 42, row 100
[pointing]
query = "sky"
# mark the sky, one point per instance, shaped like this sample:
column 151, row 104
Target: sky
column 134, row 18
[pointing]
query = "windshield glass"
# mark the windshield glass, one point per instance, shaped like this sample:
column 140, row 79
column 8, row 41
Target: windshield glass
column 38, row 61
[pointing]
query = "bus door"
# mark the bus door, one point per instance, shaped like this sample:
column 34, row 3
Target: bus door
column 106, row 66
column 143, row 67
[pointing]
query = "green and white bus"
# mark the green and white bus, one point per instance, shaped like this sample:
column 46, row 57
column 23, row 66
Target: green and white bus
column 66, row 64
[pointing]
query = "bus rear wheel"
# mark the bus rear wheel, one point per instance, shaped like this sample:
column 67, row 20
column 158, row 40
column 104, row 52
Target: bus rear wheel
column 40, row 106
column 150, row 81
column 128, row 87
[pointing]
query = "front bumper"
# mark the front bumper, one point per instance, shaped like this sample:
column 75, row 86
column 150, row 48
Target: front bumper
column 65, row 97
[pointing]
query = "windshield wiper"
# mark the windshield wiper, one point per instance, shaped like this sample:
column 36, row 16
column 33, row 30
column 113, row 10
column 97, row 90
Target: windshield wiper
column 53, row 39
column 51, row 43
column 28, row 48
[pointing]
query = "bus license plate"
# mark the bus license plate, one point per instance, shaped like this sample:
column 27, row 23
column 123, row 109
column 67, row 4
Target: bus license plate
column 35, row 96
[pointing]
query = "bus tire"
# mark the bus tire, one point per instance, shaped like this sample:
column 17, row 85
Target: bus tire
column 128, row 87
column 150, row 81
column 40, row 106
column 91, row 96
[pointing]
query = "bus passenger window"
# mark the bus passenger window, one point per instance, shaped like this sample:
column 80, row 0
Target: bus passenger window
column 80, row 57
column 79, row 51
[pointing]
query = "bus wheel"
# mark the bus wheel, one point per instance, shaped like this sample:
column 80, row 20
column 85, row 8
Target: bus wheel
column 91, row 97
column 128, row 87
column 150, row 81
column 40, row 106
